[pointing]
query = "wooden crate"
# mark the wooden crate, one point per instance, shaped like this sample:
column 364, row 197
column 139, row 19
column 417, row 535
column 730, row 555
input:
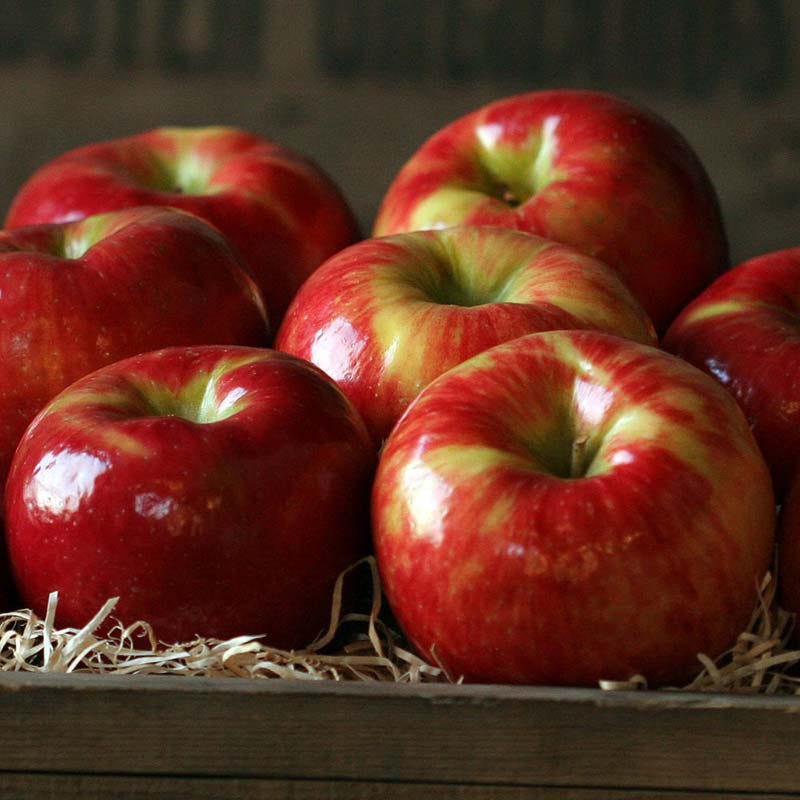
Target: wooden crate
column 87, row 737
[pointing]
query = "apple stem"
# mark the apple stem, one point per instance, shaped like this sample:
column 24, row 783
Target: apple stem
column 577, row 464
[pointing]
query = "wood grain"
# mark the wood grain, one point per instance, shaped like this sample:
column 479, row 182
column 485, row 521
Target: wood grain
column 120, row 787
column 478, row 735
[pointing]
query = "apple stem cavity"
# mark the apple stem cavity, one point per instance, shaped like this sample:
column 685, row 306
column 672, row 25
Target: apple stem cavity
column 516, row 175
column 187, row 174
column 580, row 451
column 453, row 293
column 196, row 402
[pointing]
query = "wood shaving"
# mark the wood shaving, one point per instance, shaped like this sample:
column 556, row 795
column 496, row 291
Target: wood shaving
column 760, row 660
column 31, row 644
column 355, row 647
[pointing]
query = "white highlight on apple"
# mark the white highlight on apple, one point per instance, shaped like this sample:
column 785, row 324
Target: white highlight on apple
column 427, row 495
column 548, row 146
column 719, row 371
column 622, row 457
column 231, row 399
column 62, row 479
column 488, row 134
column 152, row 505
column 329, row 341
column 592, row 401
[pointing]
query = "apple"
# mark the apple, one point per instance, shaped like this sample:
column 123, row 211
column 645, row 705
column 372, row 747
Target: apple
column 216, row 490
column 580, row 167
column 744, row 330
column 386, row 316
column 568, row 507
column 75, row 296
column 789, row 552
column 281, row 212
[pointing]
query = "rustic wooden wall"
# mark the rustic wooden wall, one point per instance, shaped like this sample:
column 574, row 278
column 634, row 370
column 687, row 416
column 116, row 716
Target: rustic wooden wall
column 360, row 83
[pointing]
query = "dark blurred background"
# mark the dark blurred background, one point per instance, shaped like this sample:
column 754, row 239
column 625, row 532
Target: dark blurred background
column 359, row 84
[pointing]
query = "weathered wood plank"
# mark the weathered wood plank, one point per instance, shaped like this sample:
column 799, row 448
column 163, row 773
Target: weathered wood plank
column 121, row 787
column 445, row 734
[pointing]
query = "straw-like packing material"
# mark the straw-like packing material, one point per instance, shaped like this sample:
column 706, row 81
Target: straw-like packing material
column 356, row 646
column 369, row 653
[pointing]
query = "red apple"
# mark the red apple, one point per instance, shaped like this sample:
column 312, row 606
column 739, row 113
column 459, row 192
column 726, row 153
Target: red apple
column 744, row 330
column 387, row 316
column 217, row 491
column 78, row 295
column 569, row 507
column 278, row 209
column 789, row 552
column 579, row 167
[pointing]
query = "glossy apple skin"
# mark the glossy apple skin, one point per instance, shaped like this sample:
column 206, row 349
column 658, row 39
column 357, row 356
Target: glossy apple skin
column 280, row 211
column 388, row 315
column 580, row 167
column 744, row 331
column 217, row 491
column 150, row 278
column 569, row 507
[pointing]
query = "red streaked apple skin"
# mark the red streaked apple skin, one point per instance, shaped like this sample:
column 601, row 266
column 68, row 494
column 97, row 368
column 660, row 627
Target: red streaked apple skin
column 281, row 212
column 238, row 524
column 585, row 168
column 388, row 315
column 150, row 278
column 744, row 330
column 504, row 568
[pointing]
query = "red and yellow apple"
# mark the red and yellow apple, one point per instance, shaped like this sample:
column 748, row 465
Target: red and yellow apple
column 570, row 507
column 744, row 330
column 216, row 491
column 280, row 211
column 386, row 316
column 78, row 295
column 585, row 168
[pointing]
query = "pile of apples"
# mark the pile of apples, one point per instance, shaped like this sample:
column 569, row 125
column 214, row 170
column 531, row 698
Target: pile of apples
column 476, row 394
